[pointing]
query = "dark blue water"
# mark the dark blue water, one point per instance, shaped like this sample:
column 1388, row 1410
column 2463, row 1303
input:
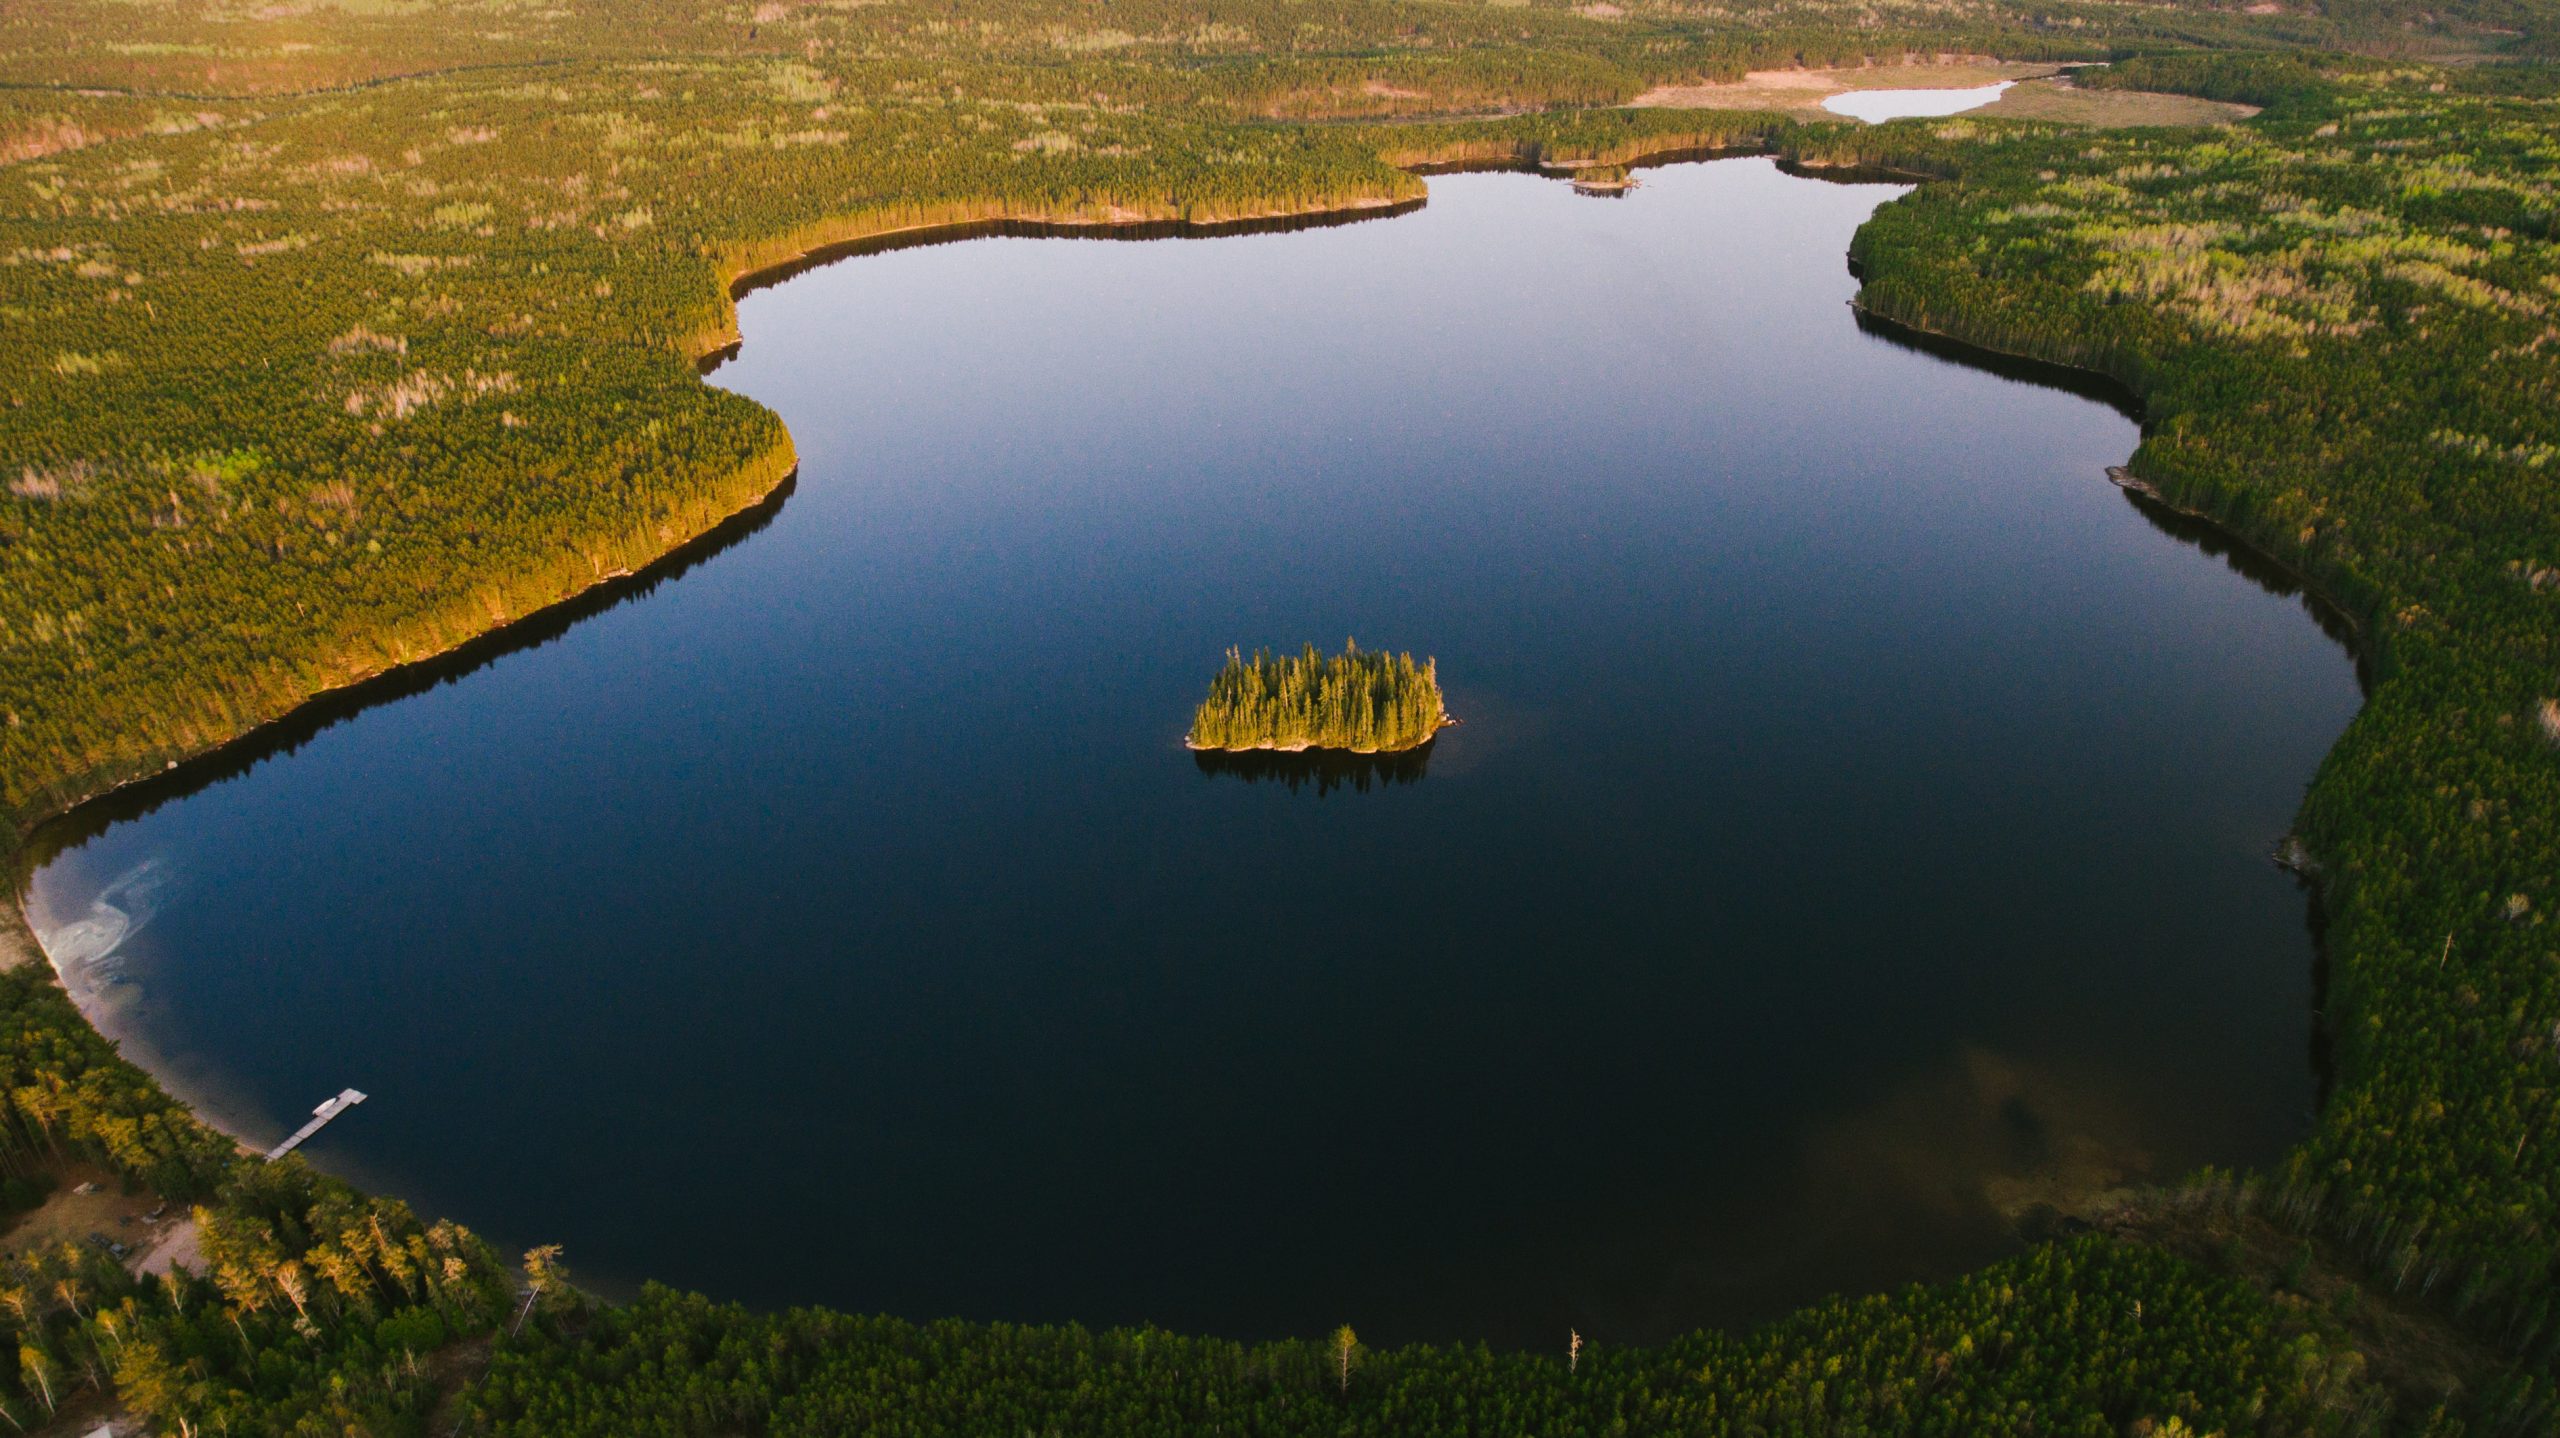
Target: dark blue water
column 1856, row 837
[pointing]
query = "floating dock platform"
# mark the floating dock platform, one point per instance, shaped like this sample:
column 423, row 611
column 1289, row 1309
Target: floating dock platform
column 320, row 1116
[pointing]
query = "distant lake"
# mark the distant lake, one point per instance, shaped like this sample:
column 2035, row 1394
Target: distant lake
column 1877, row 106
column 1857, row 835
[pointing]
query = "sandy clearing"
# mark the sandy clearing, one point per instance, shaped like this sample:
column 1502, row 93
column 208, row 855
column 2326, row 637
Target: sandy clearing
column 178, row 1244
column 2061, row 102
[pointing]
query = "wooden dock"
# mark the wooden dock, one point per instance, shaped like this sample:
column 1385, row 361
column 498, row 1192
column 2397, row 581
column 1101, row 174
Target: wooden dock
column 319, row 1116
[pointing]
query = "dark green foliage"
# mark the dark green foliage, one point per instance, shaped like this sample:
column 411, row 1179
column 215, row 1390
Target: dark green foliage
column 1574, row 139
column 2270, row 79
column 1368, row 703
column 2092, row 1337
column 22, row 1191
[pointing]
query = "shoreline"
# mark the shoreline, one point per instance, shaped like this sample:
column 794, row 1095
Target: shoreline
column 741, row 276
column 2145, row 492
column 2129, row 400
column 707, row 352
column 758, row 266
column 782, row 456
column 744, row 273
column 20, row 942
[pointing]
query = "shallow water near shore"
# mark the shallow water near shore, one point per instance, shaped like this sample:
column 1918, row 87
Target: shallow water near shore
column 1857, row 835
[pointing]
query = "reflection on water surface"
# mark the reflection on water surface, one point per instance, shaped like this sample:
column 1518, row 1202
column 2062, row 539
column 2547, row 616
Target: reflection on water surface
column 1318, row 772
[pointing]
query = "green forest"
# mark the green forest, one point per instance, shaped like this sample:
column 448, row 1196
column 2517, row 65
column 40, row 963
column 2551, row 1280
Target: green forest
column 333, row 335
column 1369, row 703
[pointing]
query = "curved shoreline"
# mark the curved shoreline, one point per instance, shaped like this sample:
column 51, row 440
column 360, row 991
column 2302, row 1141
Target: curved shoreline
column 288, row 732
column 22, row 943
column 782, row 460
column 2100, row 385
column 758, row 265
column 744, row 272
column 738, row 274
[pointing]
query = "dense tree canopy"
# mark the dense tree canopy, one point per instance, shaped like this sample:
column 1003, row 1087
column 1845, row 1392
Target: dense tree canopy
column 334, row 336
column 2095, row 1338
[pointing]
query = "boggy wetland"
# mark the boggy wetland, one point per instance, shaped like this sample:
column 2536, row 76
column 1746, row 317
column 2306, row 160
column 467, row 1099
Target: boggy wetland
column 1857, row 839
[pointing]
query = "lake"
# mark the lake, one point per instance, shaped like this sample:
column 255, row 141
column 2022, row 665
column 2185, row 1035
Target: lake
column 1856, row 840
column 1877, row 106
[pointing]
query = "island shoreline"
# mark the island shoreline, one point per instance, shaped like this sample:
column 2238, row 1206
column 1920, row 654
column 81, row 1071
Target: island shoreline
column 1446, row 722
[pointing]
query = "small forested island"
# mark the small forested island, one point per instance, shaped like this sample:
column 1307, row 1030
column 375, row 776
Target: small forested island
column 1368, row 703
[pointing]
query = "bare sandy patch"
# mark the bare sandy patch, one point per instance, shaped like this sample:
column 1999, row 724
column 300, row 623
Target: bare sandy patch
column 2060, row 102
column 177, row 1246
column 1807, row 89
column 106, row 1212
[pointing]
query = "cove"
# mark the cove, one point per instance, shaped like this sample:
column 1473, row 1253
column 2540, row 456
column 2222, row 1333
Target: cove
column 1856, row 840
